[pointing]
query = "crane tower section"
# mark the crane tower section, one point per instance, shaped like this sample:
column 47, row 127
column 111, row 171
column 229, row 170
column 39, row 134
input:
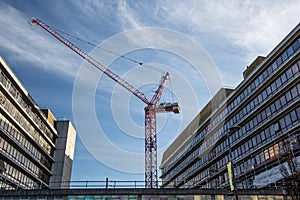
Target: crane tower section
column 153, row 106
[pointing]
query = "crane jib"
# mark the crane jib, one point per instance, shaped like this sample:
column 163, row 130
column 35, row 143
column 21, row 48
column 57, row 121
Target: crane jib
column 151, row 179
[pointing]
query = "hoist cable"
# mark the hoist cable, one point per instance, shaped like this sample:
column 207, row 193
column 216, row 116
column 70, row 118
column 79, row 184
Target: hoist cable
column 112, row 52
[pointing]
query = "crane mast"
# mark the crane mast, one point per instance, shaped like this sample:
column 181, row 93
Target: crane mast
column 153, row 107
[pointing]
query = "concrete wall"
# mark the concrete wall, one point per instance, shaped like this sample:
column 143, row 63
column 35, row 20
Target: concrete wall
column 63, row 155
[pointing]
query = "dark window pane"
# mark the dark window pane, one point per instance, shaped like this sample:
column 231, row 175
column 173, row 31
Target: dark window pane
column 289, row 74
column 255, row 121
column 267, row 132
column 288, row 120
column 298, row 88
column 283, row 78
column 294, row 116
column 283, row 100
column 259, row 97
column 295, row 46
column 259, row 120
column 295, row 68
column 265, row 74
column 279, row 61
column 258, row 139
column 256, row 82
column 273, row 109
column 288, row 96
column 289, row 51
column 252, row 86
column 255, row 101
column 268, row 111
column 263, row 136
column 284, row 56
column 261, row 79
column 278, row 104
column 282, row 124
column 264, row 94
column 294, row 92
column 269, row 92
column 278, row 83
column 273, row 86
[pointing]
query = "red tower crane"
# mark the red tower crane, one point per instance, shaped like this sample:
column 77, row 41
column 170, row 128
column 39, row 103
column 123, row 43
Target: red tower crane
column 153, row 106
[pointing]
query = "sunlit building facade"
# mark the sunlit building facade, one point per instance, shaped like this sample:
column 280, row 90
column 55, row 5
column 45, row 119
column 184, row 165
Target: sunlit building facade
column 33, row 146
column 264, row 109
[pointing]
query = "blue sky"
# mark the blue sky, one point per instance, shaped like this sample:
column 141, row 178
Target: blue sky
column 174, row 36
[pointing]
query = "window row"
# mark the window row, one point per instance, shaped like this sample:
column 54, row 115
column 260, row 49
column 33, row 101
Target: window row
column 291, row 50
column 18, row 177
column 24, row 123
column 267, row 92
column 7, row 127
column 13, row 91
column 246, row 166
column 17, row 156
column 282, row 102
column 265, row 136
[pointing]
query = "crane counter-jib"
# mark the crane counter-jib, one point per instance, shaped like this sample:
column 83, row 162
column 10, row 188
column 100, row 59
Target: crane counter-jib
column 152, row 108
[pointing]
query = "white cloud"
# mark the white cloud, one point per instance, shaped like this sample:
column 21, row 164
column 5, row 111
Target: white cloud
column 256, row 26
column 23, row 42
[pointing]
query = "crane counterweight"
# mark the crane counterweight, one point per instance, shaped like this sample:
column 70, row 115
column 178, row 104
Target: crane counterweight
column 152, row 108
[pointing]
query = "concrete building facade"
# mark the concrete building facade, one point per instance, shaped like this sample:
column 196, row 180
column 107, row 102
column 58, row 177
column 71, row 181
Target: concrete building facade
column 33, row 144
column 264, row 109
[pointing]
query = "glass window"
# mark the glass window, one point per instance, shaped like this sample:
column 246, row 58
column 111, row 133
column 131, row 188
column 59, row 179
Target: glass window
column 278, row 104
column 290, row 51
column 282, row 123
column 252, row 86
column 288, row 96
column 273, row 108
column 293, row 116
column 279, row 61
column 254, row 141
column 264, row 94
column 278, row 83
column 263, row 136
column 260, row 78
column 256, row 82
column 255, row 101
column 266, row 153
column 295, row 68
column 258, row 139
column 298, row 112
column 271, row 152
column 267, row 132
column 284, row 56
column 283, row 100
column 270, row 70
column 269, row 91
column 289, row 73
column 259, row 98
column 295, row 46
column 288, row 120
column 283, row 78
column 294, row 92
column 265, row 75
column 276, row 127
column 259, row 118
column 273, row 86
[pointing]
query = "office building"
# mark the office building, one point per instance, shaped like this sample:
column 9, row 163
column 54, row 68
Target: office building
column 256, row 127
column 36, row 150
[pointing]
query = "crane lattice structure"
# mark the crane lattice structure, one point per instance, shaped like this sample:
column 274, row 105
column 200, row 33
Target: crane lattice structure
column 153, row 106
